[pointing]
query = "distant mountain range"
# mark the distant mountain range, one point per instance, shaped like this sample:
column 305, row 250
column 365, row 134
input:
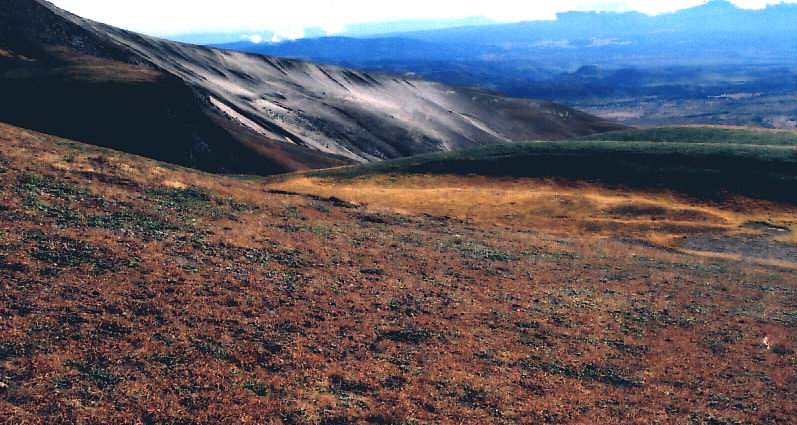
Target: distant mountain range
column 715, row 33
column 235, row 112
column 373, row 29
column 600, row 60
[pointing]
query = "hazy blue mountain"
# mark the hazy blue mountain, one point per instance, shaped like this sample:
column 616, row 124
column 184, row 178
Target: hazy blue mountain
column 718, row 16
column 366, row 30
column 598, row 60
column 379, row 29
column 348, row 49
column 714, row 33
column 211, row 37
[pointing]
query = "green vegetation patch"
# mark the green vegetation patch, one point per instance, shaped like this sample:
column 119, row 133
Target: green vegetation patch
column 409, row 335
column 259, row 388
column 96, row 371
column 342, row 385
column 34, row 183
column 477, row 250
column 719, row 340
column 606, row 374
column 131, row 220
column 169, row 360
column 10, row 350
column 63, row 214
column 181, row 199
column 632, row 349
column 707, row 268
column 61, row 252
column 214, row 349
column 700, row 135
column 292, row 258
column 50, row 197
column 474, row 397
column 326, row 232
column 77, row 147
column 197, row 201
column 701, row 169
column 55, row 198
column 11, row 266
column 639, row 320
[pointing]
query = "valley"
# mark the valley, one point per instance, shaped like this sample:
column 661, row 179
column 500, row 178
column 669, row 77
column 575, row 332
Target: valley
column 197, row 235
column 714, row 63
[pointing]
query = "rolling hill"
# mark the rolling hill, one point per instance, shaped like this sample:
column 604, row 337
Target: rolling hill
column 234, row 112
column 133, row 291
column 702, row 134
column 705, row 162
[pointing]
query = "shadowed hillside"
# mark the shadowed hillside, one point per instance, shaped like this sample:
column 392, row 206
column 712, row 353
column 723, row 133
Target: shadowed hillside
column 704, row 162
column 235, row 112
column 701, row 134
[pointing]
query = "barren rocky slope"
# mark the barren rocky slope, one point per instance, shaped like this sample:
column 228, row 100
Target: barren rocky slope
column 214, row 109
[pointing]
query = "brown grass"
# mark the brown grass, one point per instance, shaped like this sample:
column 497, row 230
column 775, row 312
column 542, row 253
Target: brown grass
column 133, row 291
column 566, row 208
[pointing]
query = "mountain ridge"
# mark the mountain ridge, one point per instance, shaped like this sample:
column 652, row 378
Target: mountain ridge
column 290, row 114
column 712, row 64
column 718, row 16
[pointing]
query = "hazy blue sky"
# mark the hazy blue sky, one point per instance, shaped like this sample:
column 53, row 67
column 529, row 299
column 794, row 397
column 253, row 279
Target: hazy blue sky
column 289, row 19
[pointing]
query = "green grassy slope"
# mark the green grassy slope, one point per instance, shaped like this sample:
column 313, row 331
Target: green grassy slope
column 701, row 135
column 707, row 170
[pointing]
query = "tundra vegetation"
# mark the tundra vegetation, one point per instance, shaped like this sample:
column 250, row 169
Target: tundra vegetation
column 133, row 291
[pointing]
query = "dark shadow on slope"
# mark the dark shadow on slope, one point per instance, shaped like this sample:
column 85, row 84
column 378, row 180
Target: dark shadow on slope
column 706, row 171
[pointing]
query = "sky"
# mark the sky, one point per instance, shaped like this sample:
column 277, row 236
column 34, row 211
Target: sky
column 291, row 19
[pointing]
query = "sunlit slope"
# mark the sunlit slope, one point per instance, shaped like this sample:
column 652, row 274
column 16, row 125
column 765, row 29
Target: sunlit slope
column 226, row 111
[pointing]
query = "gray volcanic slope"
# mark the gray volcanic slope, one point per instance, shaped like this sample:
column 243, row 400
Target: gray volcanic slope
column 286, row 109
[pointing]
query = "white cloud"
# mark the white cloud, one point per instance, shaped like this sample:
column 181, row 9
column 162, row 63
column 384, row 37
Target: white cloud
column 603, row 42
column 560, row 44
column 253, row 38
column 290, row 19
